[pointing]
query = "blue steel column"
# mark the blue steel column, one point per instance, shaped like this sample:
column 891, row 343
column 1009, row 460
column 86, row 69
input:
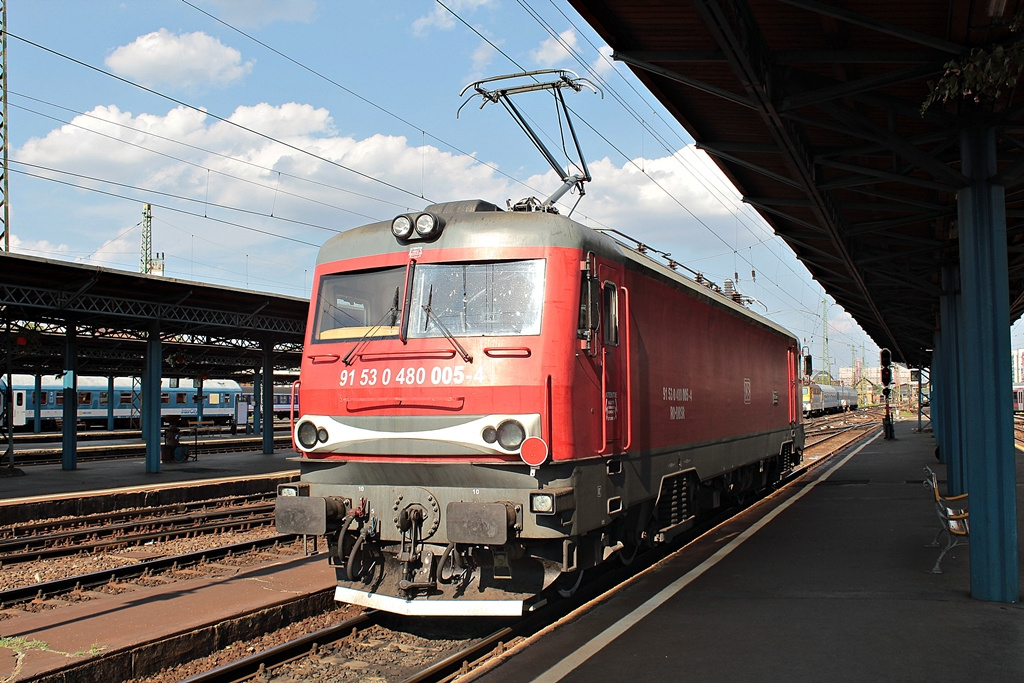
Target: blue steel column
column 37, row 421
column 985, row 350
column 938, row 396
column 110, row 403
column 69, row 414
column 951, row 324
column 268, row 397
column 151, row 398
column 257, row 402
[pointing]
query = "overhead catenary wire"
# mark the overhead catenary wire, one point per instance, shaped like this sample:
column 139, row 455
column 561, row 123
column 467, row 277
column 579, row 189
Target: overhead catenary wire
column 361, row 98
column 277, row 190
column 171, row 208
column 222, row 119
column 740, row 211
column 214, row 153
column 169, row 195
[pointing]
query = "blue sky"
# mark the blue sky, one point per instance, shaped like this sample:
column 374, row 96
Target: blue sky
column 346, row 114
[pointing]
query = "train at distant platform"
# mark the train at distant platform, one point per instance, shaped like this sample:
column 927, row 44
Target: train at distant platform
column 825, row 399
column 94, row 398
column 1018, row 397
column 493, row 401
column 283, row 396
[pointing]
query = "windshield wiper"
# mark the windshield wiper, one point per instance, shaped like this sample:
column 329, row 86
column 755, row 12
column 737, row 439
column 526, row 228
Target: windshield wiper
column 444, row 329
column 393, row 312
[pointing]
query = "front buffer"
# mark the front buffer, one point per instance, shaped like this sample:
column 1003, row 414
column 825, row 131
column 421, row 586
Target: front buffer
column 428, row 549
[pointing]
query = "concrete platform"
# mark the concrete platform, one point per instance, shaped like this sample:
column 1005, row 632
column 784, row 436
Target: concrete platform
column 97, row 640
column 90, row 476
column 826, row 582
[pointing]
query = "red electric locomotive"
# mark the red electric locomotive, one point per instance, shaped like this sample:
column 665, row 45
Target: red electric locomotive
column 495, row 400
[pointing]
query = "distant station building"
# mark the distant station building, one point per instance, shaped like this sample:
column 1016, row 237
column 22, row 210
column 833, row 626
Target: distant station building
column 1018, row 365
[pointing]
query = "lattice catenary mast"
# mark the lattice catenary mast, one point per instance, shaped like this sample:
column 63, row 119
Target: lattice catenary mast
column 5, row 229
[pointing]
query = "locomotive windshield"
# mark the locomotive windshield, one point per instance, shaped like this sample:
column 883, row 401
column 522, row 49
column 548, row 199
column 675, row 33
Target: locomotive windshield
column 477, row 299
column 503, row 298
column 359, row 305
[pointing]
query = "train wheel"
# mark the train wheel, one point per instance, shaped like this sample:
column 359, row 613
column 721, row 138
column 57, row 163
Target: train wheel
column 628, row 553
column 567, row 583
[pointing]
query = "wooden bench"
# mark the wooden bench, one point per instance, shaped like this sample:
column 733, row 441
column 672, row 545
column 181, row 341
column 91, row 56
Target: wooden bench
column 953, row 516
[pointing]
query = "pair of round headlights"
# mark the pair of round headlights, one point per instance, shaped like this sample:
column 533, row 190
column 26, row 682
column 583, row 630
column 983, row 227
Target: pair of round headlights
column 307, row 434
column 424, row 225
column 510, row 435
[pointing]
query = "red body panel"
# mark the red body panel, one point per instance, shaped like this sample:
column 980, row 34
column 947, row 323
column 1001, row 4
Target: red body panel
column 698, row 371
column 506, row 375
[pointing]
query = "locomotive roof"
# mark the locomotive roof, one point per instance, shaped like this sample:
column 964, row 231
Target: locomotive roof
column 487, row 225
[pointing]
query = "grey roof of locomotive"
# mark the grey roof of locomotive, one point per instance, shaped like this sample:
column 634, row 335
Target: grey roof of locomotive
column 477, row 224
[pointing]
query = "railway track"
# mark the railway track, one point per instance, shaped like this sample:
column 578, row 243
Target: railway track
column 108, row 531
column 59, row 587
column 368, row 639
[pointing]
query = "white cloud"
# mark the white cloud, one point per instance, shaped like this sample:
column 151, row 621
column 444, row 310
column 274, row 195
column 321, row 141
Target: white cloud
column 42, row 248
column 553, row 51
column 481, row 59
column 603, row 64
column 323, row 193
column 190, row 61
column 253, row 13
column 441, row 19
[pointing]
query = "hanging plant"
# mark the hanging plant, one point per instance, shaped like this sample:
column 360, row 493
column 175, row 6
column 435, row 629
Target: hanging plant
column 983, row 76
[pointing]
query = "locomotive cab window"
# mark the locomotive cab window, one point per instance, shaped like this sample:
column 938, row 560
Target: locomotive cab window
column 358, row 305
column 611, row 314
column 477, row 299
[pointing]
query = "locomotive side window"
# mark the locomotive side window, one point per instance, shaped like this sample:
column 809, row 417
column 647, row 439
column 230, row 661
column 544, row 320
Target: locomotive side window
column 357, row 305
column 611, row 314
column 494, row 299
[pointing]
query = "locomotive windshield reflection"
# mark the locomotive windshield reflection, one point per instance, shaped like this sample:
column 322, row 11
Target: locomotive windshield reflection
column 468, row 299
column 360, row 304
column 477, row 299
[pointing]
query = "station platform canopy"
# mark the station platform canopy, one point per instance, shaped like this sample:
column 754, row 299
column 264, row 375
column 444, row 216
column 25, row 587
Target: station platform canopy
column 815, row 111
column 205, row 330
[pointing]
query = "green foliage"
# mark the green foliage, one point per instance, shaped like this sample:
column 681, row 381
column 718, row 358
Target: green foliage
column 982, row 77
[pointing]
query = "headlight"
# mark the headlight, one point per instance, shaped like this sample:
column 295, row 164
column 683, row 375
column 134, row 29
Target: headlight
column 321, row 435
column 511, row 435
column 490, row 434
column 401, row 227
column 542, row 503
column 306, row 434
column 427, row 225
column 554, row 501
column 288, row 491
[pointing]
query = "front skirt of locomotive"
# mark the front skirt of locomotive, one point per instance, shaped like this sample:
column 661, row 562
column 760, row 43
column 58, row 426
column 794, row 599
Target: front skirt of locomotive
column 506, row 587
column 417, row 546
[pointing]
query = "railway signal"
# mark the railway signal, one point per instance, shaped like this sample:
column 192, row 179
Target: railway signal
column 885, row 360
